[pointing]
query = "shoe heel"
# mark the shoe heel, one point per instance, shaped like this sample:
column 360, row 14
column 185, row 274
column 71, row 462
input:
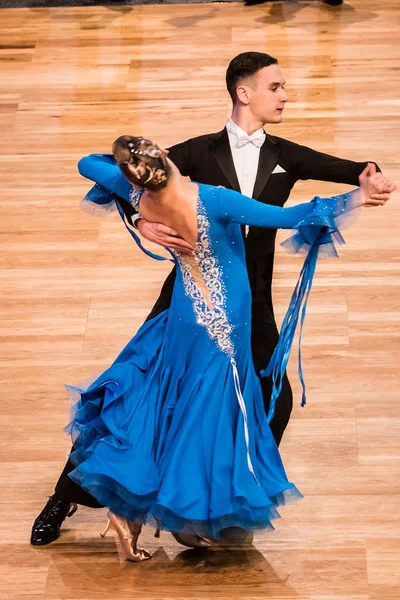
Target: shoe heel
column 107, row 528
column 72, row 510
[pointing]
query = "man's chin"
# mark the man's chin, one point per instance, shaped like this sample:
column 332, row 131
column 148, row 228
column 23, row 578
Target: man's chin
column 276, row 119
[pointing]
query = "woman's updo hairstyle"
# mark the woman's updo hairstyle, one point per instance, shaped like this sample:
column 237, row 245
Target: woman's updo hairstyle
column 142, row 162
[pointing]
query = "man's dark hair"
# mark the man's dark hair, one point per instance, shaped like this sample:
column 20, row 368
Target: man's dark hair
column 243, row 66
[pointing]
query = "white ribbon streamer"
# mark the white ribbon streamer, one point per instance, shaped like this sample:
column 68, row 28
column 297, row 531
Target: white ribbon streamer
column 244, row 413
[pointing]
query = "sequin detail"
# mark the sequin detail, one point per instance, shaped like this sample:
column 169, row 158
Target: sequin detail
column 134, row 197
column 202, row 280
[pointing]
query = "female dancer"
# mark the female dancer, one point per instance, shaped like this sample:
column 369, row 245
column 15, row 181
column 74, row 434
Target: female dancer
column 174, row 433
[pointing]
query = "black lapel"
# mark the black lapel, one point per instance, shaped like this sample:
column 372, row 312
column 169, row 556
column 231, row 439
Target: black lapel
column 267, row 162
column 221, row 150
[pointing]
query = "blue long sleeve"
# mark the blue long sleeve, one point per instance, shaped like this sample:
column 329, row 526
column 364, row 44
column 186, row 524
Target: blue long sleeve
column 103, row 170
column 236, row 208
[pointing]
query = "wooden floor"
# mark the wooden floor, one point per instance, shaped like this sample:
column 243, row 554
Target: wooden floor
column 74, row 289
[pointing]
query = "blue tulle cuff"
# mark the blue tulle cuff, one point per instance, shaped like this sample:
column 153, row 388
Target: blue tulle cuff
column 99, row 201
column 317, row 236
column 321, row 227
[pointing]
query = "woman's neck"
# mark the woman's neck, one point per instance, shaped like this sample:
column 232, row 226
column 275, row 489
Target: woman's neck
column 172, row 196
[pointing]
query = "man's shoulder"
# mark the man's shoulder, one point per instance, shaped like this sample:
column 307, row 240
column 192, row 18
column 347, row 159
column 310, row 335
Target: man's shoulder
column 275, row 140
column 206, row 140
column 200, row 140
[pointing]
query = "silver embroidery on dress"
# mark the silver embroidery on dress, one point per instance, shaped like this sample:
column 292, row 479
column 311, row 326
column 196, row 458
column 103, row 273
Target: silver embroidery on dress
column 134, row 197
column 202, row 280
column 210, row 310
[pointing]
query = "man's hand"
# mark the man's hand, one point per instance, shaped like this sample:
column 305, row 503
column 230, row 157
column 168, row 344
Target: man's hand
column 375, row 187
column 163, row 236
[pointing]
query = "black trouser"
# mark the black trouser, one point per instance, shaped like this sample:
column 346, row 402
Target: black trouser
column 264, row 338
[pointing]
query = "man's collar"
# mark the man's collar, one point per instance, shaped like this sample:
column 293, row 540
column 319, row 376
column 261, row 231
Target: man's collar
column 235, row 130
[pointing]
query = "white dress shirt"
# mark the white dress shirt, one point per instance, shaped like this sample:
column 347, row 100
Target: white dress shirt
column 246, row 154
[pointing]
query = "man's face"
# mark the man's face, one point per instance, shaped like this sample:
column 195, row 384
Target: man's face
column 266, row 94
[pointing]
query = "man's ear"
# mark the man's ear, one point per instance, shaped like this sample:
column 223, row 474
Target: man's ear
column 243, row 93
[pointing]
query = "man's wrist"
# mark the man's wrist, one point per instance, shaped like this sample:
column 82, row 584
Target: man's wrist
column 360, row 197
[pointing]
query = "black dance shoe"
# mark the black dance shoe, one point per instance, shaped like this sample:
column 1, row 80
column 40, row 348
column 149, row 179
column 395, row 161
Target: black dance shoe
column 255, row 2
column 46, row 528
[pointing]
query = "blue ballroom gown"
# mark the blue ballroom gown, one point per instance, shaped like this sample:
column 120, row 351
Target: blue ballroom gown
column 174, row 432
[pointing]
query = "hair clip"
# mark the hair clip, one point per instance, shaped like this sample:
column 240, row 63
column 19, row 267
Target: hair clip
column 154, row 152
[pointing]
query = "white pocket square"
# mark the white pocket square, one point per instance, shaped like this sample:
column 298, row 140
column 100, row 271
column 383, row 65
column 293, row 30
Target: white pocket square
column 278, row 169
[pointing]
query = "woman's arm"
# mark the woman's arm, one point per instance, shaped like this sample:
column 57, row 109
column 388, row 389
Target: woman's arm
column 102, row 169
column 235, row 208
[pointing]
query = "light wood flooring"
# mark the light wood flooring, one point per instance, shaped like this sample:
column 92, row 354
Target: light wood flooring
column 74, row 289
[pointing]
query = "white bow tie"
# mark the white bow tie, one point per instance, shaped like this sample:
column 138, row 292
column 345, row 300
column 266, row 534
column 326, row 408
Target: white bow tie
column 257, row 139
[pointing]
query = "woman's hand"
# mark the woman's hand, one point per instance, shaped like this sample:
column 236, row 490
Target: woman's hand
column 163, row 236
column 375, row 188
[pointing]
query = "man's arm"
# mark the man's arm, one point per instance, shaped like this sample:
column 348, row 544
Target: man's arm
column 306, row 163
column 310, row 164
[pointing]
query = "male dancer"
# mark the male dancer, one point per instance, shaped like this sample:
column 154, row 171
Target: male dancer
column 241, row 157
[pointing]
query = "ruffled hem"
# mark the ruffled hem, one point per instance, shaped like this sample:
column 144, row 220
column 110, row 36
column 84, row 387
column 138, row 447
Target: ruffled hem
column 148, row 511
column 138, row 444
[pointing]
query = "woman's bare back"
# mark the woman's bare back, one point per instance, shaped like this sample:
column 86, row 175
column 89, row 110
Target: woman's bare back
column 175, row 207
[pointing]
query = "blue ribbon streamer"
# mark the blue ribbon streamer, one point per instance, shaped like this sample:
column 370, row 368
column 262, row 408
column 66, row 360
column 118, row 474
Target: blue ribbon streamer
column 316, row 234
column 101, row 196
column 278, row 363
column 137, row 238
